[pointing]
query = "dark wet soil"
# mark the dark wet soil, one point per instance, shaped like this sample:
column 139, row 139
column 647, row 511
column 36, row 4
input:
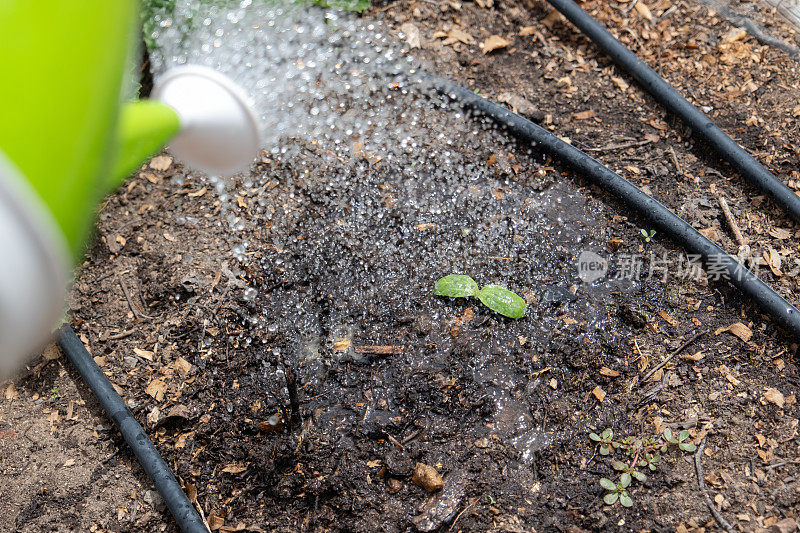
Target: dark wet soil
column 308, row 406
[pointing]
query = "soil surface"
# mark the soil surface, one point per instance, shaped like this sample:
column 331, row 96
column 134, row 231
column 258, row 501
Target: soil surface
column 334, row 396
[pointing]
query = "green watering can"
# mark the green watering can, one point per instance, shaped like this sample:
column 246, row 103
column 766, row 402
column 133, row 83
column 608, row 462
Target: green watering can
column 66, row 140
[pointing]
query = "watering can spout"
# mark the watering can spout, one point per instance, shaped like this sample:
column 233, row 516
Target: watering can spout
column 144, row 127
column 208, row 118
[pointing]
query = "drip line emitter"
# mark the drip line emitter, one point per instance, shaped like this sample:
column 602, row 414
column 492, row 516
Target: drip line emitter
column 783, row 312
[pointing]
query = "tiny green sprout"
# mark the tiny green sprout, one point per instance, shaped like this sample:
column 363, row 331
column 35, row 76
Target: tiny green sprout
column 54, row 393
column 624, row 467
column 617, row 491
column 456, row 286
column 679, row 440
column 496, row 298
column 647, row 236
column 650, row 460
column 503, row 301
column 606, row 440
column 491, row 500
column 636, row 452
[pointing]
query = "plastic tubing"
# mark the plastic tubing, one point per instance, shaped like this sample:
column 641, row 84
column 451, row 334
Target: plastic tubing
column 644, row 205
column 666, row 94
column 178, row 503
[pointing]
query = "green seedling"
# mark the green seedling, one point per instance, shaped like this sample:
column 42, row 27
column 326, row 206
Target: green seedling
column 456, row 286
column 606, row 440
column 648, row 236
column 617, row 491
column 679, row 440
column 498, row 299
column 639, row 452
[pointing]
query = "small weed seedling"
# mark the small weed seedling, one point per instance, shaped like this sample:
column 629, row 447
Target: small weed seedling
column 648, row 236
column 639, row 453
column 496, row 298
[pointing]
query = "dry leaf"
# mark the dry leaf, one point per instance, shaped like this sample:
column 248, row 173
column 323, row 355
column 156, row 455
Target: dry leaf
column 761, row 439
column 149, row 176
column 179, row 411
column 69, row 462
column 671, row 321
column 234, row 468
column 730, row 377
column 494, row 42
column 455, row 35
column 551, row 18
column 11, row 392
column 181, row 440
column 775, row 396
column 774, row 261
column 342, row 345
column 157, row 389
column 161, row 162
column 51, row 352
column 153, row 416
column 734, row 34
column 169, row 237
column 609, row 372
column 197, row 194
column 693, row 357
column 599, row 393
column 620, row 83
column 780, row 233
column 144, row 354
column 710, row 233
column 215, row 521
column 182, row 365
column 527, row 30
column 644, row 11
column 521, row 106
column 583, row 115
column 738, row 329
column 412, row 34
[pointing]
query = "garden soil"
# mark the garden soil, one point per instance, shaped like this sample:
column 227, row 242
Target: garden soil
column 345, row 396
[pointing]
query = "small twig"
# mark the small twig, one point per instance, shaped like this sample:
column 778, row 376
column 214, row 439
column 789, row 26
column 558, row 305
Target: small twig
column 410, row 437
column 783, row 463
column 121, row 335
column 464, row 510
column 395, row 442
column 726, row 210
column 294, row 400
column 622, row 146
column 678, row 350
column 702, row 484
column 135, row 311
column 674, row 157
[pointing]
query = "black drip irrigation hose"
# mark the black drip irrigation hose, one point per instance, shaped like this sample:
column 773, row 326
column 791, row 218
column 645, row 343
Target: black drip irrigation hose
column 665, row 93
column 646, row 206
column 179, row 505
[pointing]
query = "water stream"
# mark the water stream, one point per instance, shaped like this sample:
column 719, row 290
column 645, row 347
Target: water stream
column 384, row 187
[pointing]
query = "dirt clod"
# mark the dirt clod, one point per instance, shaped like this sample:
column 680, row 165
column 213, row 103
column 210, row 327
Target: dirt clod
column 427, row 477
